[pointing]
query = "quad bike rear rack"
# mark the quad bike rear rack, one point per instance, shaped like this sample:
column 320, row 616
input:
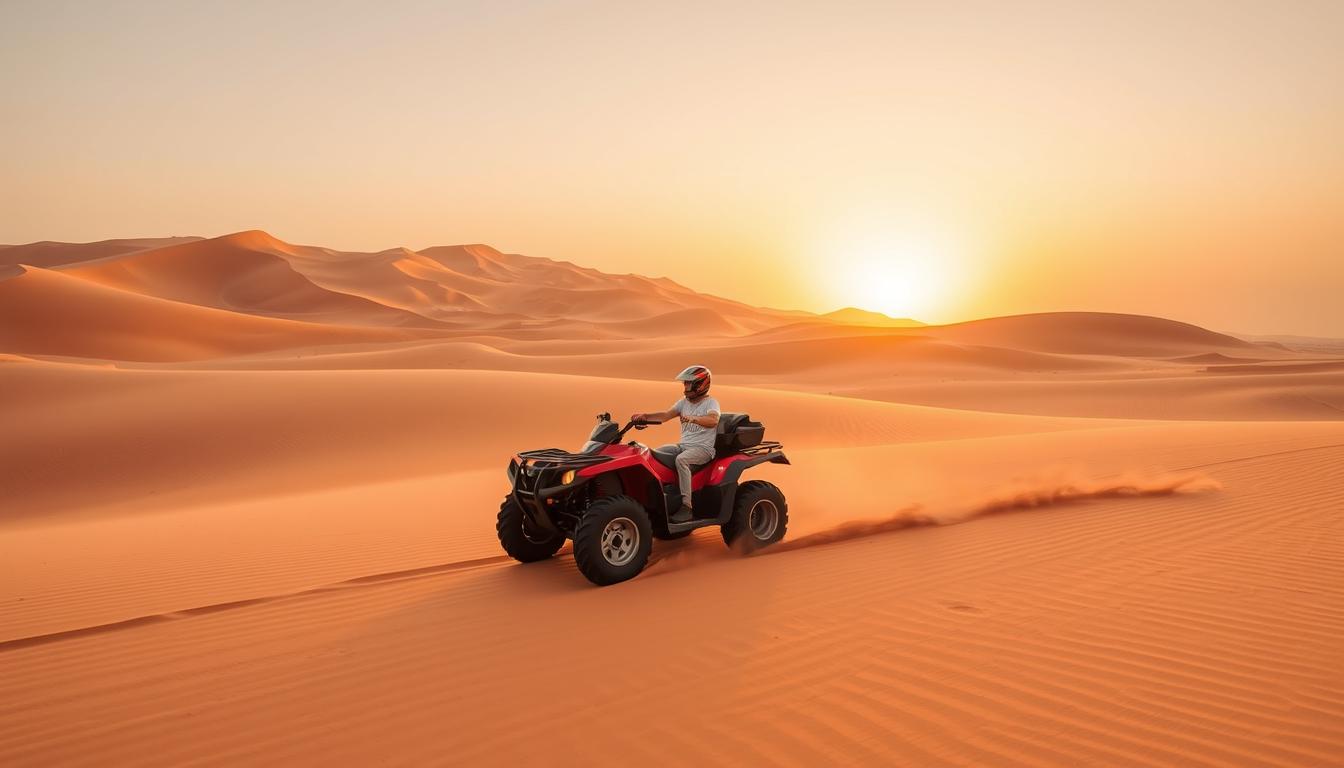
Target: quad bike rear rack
column 762, row 448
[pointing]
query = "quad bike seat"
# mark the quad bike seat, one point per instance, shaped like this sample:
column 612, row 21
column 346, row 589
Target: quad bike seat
column 735, row 432
column 667, row 456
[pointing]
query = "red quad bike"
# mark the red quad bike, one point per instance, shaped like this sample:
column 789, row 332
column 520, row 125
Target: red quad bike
column 613, row 499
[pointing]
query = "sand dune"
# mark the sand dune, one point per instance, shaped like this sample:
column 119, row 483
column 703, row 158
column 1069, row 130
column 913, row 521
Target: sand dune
column 479, row 261
column 480, row 278
column 52, row 254
column 401, row 278
column 862, row 317
column 1278, row 367
column 1307, row 344
column 240, row 273
column 1247, row 395
column 52, row 312
column 250, row 490
column 1091, row 333
column 464, row 289
column 1070, row 333
column 1214, row 357
column 892, row 369
column 699, row 321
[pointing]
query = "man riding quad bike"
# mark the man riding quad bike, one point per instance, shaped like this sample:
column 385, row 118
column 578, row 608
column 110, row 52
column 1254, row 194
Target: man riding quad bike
column 613, row 499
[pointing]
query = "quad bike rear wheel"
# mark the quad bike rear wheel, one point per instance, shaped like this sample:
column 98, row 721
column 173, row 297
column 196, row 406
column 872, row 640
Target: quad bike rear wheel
column 612, row 540
column 520, row 539
column 760, row 517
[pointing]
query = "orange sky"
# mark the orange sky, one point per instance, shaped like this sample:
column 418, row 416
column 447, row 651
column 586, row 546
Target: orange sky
column 945, row 160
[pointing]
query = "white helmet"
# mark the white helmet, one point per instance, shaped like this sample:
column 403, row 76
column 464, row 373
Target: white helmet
column 697, row 381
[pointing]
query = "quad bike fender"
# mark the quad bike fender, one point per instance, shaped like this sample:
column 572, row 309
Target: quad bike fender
column 720, row 489
column 620, row 462
column 726, row 477
column 624, row 457
column 730, row 471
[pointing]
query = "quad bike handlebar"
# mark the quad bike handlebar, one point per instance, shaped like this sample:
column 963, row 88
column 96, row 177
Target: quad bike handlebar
column 636, row 423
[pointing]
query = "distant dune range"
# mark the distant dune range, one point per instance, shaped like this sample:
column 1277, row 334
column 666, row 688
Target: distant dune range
column 252, row 301
column 250, row 487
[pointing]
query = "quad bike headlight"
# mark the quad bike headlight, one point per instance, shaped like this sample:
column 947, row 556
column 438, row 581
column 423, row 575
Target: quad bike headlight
column 568, row 477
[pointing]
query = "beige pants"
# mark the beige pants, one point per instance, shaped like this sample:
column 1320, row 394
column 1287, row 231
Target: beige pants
column 688, row 455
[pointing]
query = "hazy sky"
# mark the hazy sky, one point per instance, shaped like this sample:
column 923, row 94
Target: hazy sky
column 944, row 160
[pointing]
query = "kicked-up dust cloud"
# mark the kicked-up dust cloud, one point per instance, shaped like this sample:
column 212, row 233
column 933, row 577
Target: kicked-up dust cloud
column 1028, row 493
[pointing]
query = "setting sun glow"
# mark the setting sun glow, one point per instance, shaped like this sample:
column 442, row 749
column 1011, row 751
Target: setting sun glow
column 901, row 275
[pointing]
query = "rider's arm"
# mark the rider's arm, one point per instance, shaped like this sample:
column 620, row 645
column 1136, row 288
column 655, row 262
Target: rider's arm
column 657, row 417
column 710, row 419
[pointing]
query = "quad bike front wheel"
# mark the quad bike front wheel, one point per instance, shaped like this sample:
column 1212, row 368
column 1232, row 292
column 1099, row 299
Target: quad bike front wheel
column 520, row 539
column 612, row 540
column 760, row 517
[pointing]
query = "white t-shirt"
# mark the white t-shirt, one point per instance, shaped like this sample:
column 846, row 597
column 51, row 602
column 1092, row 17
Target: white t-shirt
column 694, row 434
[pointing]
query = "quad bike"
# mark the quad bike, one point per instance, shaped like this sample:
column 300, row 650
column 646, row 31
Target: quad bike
column 612, row 499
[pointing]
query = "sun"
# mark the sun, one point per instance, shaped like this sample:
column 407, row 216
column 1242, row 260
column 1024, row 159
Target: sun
column 898, row 275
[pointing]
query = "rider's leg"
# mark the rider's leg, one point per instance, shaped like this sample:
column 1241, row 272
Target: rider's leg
column 692, row 454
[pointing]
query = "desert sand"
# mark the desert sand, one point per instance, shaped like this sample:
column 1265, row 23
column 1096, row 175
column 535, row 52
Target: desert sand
column 250, row 486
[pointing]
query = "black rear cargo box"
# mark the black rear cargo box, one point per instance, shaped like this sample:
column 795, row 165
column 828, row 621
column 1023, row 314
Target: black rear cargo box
column 737, row 431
